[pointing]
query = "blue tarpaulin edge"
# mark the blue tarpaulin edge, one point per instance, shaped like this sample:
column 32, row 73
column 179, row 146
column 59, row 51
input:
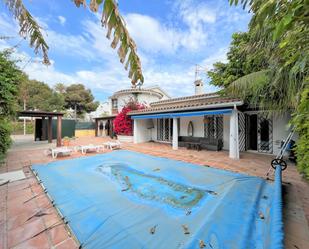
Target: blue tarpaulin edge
column 182, row 114
column 276, row 222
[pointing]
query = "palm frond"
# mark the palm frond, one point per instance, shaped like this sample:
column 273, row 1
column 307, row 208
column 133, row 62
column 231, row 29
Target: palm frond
column 251, row 88
column 249, row 83
column 29, row 28
column 118, row 33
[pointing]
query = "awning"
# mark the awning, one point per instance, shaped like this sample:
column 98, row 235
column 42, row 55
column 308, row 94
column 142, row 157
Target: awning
column 183, row 114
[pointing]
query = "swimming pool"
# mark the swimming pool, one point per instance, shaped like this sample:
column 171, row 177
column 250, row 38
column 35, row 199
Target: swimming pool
column 125, row 199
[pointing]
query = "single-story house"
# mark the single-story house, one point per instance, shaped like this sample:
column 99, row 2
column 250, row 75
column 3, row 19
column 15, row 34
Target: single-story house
column 222, row 122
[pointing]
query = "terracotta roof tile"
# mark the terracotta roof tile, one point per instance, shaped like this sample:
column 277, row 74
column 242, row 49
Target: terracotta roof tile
column 187, row 103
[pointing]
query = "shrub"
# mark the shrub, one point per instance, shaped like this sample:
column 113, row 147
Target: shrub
column 301, row 122
column 123, row 123
column 5, row 139
column 10, row 77
column 18, row 127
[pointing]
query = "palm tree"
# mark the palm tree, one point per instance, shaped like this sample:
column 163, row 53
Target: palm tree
column 283, row 27
column 111, row 19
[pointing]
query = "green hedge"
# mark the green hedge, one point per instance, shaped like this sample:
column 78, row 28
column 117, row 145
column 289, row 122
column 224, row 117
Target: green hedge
column 5, row 139
column 18, row 127
column 301, row 122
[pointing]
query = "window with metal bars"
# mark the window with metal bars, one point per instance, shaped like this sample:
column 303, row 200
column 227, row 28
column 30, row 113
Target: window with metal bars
column 213, row 126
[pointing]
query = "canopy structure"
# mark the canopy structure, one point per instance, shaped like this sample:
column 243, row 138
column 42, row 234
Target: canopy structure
column 49, row 115
column 183, row 114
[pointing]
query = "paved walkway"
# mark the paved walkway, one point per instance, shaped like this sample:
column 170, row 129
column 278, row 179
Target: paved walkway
column 28, row 219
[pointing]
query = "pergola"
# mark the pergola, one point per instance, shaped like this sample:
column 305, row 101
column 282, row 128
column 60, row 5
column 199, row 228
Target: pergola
column 49, row 115
column 104, row 118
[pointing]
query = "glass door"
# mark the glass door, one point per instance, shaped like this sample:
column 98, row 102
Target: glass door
column 164, row 129
column 265, row 134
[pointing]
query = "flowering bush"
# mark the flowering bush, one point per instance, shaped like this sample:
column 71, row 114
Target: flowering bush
column 123, row 123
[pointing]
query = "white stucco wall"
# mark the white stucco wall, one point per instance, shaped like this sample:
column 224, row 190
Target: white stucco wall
column 198, row 126
column 143, row 98
column 143, row 133
column 123, row 99
column 280, row 131
column 154, row 130
column 226, row 132
column 147, row 99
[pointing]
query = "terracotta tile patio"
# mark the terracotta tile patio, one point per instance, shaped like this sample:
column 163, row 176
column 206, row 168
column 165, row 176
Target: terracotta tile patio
column 28, row 219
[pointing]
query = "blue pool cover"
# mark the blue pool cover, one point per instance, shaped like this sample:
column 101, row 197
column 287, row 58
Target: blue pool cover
column 125, row 199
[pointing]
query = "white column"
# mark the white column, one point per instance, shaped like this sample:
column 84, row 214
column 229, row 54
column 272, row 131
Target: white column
column 234, row 143
column 98, row 129
column 24, row 126
column 175, row 134
column 135, row 131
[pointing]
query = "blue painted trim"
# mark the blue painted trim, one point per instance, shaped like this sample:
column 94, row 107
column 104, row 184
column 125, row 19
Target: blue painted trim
column 182, row 114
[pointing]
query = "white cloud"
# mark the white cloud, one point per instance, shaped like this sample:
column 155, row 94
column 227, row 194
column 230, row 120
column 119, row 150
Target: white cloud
column 8, row 27
column 154, row 37
column 195, row 14
column 220, row 55
column 151, row 36
column 62, row 20
column 112, row 78
column 70, row 45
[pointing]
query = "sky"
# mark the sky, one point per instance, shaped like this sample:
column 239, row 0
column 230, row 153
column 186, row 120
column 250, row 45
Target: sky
column 172, row 37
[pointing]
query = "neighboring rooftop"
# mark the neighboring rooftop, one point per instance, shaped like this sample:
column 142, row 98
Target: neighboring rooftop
column 201, row 101
column 137, row 90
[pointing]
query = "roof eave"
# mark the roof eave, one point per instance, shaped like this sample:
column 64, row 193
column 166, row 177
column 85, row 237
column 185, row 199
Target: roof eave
column 211, row 106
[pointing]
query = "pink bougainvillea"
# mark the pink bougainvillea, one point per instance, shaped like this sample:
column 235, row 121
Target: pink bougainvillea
column 123, row 123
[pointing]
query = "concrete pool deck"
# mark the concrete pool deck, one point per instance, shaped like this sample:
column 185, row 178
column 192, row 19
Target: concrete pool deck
column 28, row 220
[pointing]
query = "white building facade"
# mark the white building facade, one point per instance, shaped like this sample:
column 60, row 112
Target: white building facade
column 115, row 103
column 144, row 96
column 210, row 122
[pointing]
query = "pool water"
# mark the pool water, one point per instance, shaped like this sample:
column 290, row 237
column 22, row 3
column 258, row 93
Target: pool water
column 125, row 199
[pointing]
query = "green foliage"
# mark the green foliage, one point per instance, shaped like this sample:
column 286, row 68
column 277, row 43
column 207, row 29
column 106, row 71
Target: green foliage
column 10, row 77
column 5, row 139
column 38, row 95
column 80, row 99
column 301, row 122
column 280, row 29
column 60, row 88
column 18, row 127
column 240, row 62
column 252, row 88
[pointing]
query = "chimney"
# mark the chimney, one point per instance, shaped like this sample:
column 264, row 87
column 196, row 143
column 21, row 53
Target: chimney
column 199, row 87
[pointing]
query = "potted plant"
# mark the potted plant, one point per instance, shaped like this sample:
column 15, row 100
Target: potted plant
column 66, row 141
